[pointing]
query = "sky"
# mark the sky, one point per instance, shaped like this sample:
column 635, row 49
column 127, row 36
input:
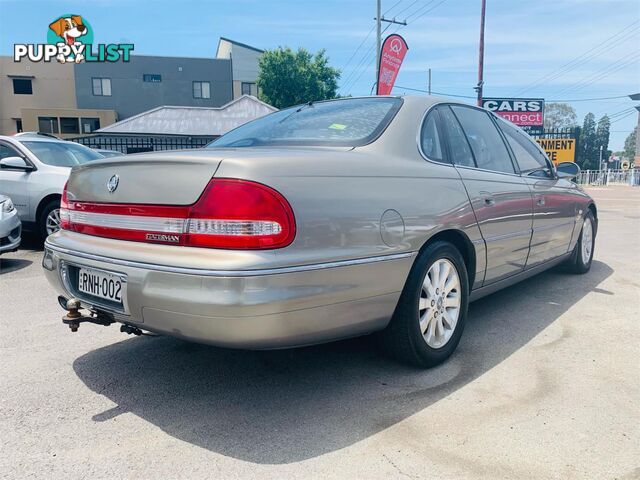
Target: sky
column 573, row 50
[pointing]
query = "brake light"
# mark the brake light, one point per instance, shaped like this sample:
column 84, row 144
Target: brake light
column 230, row 213
column 64, row 209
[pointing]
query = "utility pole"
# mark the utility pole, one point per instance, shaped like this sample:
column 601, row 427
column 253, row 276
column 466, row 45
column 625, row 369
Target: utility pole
column 429, row 89
column 378, row 39
column 379, row 19
column 478, row 87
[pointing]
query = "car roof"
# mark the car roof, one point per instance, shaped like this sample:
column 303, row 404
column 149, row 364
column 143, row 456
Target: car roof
column 35, row 137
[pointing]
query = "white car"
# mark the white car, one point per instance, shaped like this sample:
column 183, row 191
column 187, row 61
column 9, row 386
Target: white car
column 10, row 227
column 33, row 171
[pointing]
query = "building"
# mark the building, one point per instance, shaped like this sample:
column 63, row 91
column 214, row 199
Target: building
column 244, row 65
column 170, row 127
column 76, row 99
column 42, row 97
column 146, row 82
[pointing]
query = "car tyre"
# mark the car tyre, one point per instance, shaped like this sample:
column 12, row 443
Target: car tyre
column 47, row 218
column 419, row 309
column 580, row 260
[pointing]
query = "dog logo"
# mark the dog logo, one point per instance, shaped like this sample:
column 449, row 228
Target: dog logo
column 70, row 29
column 112, row 184
column 70, row 40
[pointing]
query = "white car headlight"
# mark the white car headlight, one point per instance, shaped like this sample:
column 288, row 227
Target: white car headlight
column 7, row 206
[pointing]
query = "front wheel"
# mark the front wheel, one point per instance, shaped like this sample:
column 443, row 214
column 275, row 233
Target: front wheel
column 430, row 316
column 582, row 257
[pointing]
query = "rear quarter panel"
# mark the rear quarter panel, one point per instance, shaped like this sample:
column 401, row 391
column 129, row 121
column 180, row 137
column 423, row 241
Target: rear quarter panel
column 339, row 196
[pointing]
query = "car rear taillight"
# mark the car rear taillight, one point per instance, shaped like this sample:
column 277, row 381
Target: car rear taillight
column 64, row 209
column 230, row 213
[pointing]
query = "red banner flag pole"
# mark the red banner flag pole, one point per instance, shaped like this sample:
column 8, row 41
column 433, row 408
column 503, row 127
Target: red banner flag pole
column 392, row 53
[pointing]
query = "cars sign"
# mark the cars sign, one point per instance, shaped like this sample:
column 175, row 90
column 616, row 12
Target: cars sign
column 527, row 113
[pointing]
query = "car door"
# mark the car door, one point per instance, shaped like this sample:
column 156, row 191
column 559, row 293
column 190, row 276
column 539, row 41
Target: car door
column 554, row 203
column 500, row 198
column 13, row 183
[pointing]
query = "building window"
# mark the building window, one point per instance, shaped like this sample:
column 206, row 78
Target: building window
column 22, row 86
column 101, row 87
column 48, row 125
column 69, row 125
column 151, row 78
column 247, row 88
column 18, row 125
column 90, row 124
column 201, row 90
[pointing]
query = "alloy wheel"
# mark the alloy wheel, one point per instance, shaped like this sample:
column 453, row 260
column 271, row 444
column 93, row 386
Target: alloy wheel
column 587, row 240
column 53, row 221
column 439, row 304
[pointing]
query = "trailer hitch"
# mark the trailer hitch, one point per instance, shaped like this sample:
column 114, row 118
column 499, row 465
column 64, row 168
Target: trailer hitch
column 74, row 318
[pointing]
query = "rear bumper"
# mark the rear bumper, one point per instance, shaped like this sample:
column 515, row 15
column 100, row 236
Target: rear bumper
column 258, row 309
column 10, row 232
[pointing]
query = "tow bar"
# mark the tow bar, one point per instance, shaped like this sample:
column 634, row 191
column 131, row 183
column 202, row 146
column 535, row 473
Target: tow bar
column 74, row 318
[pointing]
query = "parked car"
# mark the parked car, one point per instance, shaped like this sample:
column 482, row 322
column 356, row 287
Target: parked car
column 108, row 153
column 33, row 171
column 320, row 222
column 10, row 226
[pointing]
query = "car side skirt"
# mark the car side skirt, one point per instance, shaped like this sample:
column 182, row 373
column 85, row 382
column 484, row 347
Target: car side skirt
column 512, row 280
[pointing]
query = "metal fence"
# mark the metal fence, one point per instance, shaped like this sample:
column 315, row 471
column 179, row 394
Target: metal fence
column 609, row 177
column 139, row 144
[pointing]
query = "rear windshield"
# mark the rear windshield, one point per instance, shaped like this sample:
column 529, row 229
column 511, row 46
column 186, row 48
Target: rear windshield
column 61, row 154
column 349, row 123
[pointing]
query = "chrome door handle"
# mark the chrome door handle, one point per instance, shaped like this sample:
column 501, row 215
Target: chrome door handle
column 540, row 200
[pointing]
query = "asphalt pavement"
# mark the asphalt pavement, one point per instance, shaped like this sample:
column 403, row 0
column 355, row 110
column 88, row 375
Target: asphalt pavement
column 545, row 384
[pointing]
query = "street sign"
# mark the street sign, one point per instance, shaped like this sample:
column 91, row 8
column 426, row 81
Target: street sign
column 625, row 165
column 559, row 149
column 527, row 113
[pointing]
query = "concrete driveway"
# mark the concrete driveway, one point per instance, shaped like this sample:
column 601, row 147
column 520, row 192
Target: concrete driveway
column 545, row 384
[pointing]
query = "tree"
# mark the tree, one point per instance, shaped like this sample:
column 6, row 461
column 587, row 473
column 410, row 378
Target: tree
column 559, row 116
column 289, row 78
column 602, row 136
column 589, row 154
column 630, row 145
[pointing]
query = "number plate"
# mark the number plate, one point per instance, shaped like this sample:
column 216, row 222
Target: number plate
column 101, row 284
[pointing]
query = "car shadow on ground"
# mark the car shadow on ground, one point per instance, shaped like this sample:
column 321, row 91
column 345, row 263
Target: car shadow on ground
column 290, row 405
column 8, row 261
column 8, row 265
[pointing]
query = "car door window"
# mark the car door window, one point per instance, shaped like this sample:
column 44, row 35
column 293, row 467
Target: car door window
column 529, row 157
column 458, row 146
column 488, row 148
column 430, row 138
column 6, row 151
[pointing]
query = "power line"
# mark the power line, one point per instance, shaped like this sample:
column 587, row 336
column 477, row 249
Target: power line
column 614, row 67
column 394, row 6
column 623, row 117
column 624, row 34
column 424, row 13
column 549, row 101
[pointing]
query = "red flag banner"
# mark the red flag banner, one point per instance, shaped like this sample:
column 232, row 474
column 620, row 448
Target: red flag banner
column 392, row 54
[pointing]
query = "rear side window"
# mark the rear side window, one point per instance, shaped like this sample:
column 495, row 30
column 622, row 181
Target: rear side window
column 487, row 145
column 528, row 155
column 458, row 145
column 430, row 138
column 349, row 123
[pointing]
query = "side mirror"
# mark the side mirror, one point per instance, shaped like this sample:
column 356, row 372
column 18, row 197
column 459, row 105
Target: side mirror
column 15, row 163
column 568, row 170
